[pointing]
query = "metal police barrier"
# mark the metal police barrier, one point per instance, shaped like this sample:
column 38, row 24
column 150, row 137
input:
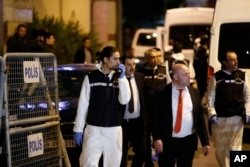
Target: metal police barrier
column 32, row 127
column 2, row 77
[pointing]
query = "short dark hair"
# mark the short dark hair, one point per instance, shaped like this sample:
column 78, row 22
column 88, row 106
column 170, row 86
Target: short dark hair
column 177, row 47
column 123, row 58
column 223, row 56
column 85, row 38
column 21, row 25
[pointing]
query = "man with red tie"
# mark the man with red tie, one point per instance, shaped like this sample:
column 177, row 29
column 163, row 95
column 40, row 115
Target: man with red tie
column 178, row 121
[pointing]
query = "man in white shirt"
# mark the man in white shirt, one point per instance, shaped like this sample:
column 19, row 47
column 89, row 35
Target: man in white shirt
column 135, row 120
column 176, row 129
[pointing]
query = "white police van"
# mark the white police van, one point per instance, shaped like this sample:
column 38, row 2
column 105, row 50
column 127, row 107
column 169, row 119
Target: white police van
column 230, row 30
column 185, row 25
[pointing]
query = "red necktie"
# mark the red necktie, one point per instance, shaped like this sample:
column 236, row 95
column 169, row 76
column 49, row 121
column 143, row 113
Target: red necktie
column 177, row 127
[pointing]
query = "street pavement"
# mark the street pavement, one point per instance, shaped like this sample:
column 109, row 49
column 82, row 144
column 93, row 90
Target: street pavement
column 200, row 160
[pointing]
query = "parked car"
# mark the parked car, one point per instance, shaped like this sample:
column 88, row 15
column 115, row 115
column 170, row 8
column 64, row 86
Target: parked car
column 70, row 78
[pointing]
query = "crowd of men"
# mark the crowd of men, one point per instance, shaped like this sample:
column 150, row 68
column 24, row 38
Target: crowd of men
column 155, row 107
column 40, row 41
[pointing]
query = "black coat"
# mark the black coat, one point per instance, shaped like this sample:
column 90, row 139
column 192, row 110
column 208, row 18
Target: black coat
column 80, row 55
column 17, row 44
column 140, row 82
column 162, row 119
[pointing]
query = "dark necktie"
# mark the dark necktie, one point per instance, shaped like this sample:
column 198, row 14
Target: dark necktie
column 131, row 101
column 177, row 127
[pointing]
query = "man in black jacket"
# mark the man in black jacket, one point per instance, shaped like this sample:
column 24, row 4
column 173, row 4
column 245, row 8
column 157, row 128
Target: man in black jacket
column 84, row 54
column 176, row 143
column 135, row 122
column 19, row 42
column 156, row 77
column 201, row 66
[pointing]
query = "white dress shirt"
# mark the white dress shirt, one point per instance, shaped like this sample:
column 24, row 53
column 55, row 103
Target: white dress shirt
column 137, row 107
column 187, row 112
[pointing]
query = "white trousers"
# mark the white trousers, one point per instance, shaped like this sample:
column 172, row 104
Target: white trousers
column 98, row 141
column 227, row 136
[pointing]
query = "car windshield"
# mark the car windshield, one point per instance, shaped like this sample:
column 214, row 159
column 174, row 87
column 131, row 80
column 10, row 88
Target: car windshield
column 70, row 83
column 147, row 39
column 235, row 36
column 186, row 34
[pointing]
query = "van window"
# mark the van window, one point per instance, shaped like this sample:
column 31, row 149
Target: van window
column 236, row 37
column 147, row 39
column 186, row 34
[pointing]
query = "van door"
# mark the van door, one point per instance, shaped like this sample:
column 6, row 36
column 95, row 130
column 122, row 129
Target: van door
column 230, row 31
column 185, row 25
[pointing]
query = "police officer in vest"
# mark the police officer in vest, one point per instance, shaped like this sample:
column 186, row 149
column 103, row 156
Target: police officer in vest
column 100, row 110
column 155, row 76
column 228, row 107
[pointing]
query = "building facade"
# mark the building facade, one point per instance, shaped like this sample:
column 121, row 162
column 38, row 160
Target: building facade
column 100, row 16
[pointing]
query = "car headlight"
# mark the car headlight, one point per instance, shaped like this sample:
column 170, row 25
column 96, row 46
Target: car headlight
column 27, row 106
column 63, row 105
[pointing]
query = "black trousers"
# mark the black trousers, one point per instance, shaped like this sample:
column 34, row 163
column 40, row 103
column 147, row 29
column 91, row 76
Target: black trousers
column 178, row 151
column 134, row 133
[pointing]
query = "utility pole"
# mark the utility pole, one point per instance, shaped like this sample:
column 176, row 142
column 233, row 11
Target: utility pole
column 1, row 27
column 119, row 26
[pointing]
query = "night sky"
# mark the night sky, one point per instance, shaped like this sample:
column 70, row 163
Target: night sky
column 137, row 11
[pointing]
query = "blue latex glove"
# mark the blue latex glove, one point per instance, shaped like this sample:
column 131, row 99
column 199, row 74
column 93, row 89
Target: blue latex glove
column 78, row 137
column 247, row 119
column 214, row 119
column 122, row 68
